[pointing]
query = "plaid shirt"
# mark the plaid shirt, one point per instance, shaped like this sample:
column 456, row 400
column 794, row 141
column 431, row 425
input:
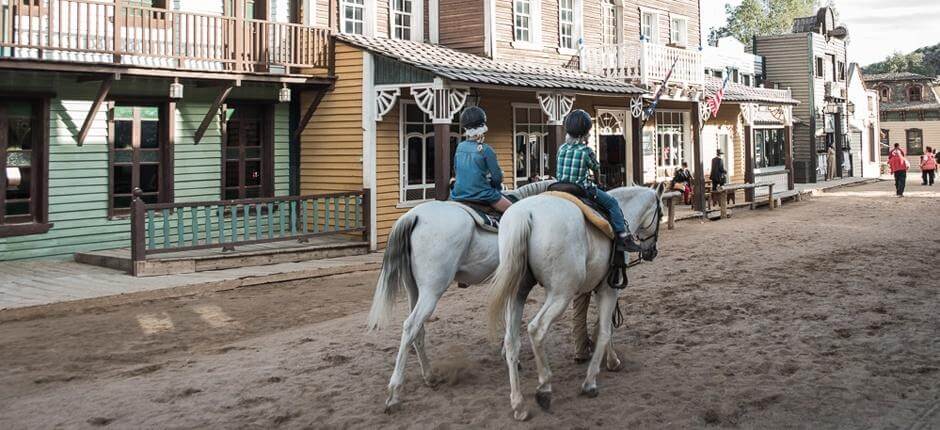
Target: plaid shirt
column 574, row 164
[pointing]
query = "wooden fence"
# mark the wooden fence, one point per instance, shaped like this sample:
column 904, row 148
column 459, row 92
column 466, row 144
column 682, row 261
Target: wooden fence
column 118, row 33
column 226, row 224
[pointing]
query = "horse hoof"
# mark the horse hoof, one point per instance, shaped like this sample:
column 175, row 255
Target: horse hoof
column 589, row 392
column 391, row 408
column 522, row 415
column 616, row 367
column 544, row 399
column 582, row 358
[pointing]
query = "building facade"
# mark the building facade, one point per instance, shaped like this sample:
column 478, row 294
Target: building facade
column 811, row 62
column 864, row 125
column 909, row 112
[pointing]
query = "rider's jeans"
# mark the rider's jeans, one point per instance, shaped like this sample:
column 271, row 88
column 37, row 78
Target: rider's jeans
column 610, row 203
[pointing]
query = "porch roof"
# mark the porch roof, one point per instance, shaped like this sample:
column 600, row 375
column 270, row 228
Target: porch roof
column 743, row 93
column 460, row 66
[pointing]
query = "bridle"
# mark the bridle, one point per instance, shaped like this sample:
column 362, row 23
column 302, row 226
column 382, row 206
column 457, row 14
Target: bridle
column 649, row 253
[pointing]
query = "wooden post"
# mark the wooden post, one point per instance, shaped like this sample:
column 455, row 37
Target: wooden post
column 637, row 148
column 556, row 138
column 698, row 163
column 138, row 235
column 770, row 197
column 748, row 162
column 441, row 161
column 722, row 202
column 118, row 30
column 788, row 154
column 367, row 214
column 838, row 139
column 671, row 217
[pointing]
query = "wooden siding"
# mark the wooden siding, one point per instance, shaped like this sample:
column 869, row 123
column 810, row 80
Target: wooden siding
column 897, row 134
column 331, row 145
column 79, row 175
column 462, row 25
column 728, row 121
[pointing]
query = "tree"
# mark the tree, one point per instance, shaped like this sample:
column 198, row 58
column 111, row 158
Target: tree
column 761, row 18
column 915, row 62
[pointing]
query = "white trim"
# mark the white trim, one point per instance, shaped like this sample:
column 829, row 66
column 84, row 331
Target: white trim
column 515, row 133
column 434, row 16
column 535, row 26
column 577, row 28
column 656, row 34
column 369, row 23
column 417, row 20
column 685, row 19
column 489, row 27
column 369, row 145
column 618, row 19
column 310, row 12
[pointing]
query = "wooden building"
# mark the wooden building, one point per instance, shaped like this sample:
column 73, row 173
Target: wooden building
column 864, row 125
column 811, row 62
column 168, row 102
column 909, row 112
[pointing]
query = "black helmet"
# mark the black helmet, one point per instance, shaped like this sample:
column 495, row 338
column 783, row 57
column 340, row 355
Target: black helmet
column 577, row 123
column 472, row 117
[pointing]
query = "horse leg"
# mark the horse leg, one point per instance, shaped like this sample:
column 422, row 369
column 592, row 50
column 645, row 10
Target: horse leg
column 419, row 343
column 606, row 301
column 554, row 307
column 411, row 329
column 511, row 344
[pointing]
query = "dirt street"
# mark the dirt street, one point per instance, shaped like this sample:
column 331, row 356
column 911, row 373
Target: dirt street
column 823, row 314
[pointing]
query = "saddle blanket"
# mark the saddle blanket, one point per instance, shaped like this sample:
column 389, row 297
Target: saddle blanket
column 483, row 220
column 591, row 215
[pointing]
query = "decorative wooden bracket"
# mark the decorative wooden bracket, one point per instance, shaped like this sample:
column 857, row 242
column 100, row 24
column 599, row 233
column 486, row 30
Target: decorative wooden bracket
column 555, row 106
column 213, row 111
column 308, row 114
column 784, row 114
column 747, row 113
column 103, row 91
column 384, row 100
column 636, row 107
column 440, row 102
column 705, row 112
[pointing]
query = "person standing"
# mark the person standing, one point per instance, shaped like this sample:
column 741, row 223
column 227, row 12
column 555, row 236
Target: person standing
column 928, row 166
column 897, row 162
column 682, row 181
column 718, row 174
column 830, row 162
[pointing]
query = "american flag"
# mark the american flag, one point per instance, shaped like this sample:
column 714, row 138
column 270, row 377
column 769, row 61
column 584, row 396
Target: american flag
column 652, row 107
column 714, row 102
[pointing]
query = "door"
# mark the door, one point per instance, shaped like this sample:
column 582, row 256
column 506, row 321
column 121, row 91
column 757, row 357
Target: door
column 247, row 156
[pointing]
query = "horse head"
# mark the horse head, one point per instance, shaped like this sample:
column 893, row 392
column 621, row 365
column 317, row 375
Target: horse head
column 650, row 220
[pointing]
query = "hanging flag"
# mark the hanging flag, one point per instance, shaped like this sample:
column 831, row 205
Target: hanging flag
column 714, row 102
column 652, row 107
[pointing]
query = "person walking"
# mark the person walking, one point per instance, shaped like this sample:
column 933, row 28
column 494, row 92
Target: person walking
column 928, row 166
column 830, row 162
column 897, row 162
column 718, row 174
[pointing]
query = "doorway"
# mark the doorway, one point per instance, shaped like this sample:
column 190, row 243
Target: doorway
column 611, row 149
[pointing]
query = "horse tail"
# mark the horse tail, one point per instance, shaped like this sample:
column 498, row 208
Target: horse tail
column 513, row 265
column 396, row 273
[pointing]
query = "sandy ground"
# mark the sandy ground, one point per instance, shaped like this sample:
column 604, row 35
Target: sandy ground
column 819, row 315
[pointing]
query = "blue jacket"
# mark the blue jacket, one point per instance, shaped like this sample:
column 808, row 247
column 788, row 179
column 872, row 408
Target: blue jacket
column 479, row 177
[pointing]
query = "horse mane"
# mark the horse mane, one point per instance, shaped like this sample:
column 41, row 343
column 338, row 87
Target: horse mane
column 635, row 202
column 531, row 189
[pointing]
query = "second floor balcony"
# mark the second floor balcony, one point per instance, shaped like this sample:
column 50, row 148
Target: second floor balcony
column 121, row 33
column 645, row 63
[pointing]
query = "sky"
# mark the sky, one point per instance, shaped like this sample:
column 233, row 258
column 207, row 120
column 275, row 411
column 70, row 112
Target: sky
column 876, row 27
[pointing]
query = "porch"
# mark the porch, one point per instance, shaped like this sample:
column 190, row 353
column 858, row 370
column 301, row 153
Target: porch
column 645, row 62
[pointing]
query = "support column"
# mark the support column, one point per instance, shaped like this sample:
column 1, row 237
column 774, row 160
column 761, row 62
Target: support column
column 698, row 163
column 838, row 140
column 441, row 161
column 749, row 162
column 788, row 154
column 556, row 138
column 636, row 127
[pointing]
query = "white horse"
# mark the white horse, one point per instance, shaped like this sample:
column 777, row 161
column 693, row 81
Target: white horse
column 430, row 247
column 546, row 240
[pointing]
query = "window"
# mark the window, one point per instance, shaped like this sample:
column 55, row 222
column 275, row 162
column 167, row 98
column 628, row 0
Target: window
column 402, row 17
column 649, row 25
column 610, row 22
column 820, row 73
column 139, row 154
column 670, row 141
column 567, row 27
column 23, row 166
column 530, row 156
column 831, row 73
column 417, row 153
column 679, row 31
column 915, row 141
column 871, row 145
column 769, row 148
column 247, row 158
column 353, row 16
column 747, row 80
column 885, row 142
column 523, row 19
column 915, row 93
column 840, row 69
column 885, row 93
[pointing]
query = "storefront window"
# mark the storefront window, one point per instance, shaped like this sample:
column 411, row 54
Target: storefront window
column 769, row 148
column 670, row 142
column 417, row 153
column 22, row 165
column 530, row 154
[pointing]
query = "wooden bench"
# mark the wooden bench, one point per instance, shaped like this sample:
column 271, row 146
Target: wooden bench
column 722, row 192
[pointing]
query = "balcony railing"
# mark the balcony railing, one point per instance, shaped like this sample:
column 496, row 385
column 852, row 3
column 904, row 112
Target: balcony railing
column 91, row 31
column 644, row 62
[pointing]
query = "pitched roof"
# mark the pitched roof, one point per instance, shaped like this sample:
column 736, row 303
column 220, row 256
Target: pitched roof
column 743, row 93
column 464, row 67
column 897, row 76
column 908, row 106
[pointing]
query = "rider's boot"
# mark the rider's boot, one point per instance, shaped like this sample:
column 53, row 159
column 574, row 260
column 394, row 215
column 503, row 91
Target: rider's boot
column 628, row 243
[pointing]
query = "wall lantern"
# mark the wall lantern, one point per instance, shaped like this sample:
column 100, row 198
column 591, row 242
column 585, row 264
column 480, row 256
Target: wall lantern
column 283, row 95
column 176, row 90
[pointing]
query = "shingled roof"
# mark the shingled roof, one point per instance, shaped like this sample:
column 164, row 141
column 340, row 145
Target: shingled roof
column 743, row 93
column 897, row 76
column 468, row 68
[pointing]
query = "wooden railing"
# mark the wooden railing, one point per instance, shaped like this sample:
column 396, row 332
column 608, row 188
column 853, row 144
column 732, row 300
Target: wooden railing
column 116, row 33
column 227, row 224
column 644, row 62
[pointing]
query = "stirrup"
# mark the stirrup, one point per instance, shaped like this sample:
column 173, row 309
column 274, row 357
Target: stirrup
column 617, row 273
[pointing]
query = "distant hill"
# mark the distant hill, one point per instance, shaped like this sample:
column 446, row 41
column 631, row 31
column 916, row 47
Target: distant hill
column 925, row 61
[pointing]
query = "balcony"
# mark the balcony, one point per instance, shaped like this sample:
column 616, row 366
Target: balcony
column 645, row 63
column 113, row 33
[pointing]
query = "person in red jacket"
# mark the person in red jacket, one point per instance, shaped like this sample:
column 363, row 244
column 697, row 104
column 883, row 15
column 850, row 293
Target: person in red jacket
column 928, row 166
column 897, row 161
